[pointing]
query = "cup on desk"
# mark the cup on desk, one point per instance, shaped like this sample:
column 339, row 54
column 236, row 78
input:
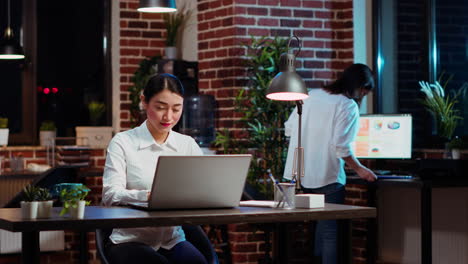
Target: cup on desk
column 284, row 195
column 17, row 163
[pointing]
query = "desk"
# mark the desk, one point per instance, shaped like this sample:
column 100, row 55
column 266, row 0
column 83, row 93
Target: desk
column 425, row 186
column 121, row 217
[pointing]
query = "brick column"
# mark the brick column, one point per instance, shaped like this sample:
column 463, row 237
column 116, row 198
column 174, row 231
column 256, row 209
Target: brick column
column 141, row 35
column 325, row 29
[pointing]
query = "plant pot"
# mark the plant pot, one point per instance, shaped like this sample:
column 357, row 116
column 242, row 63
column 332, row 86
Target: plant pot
column 170, row 52
column 456, row 154
column 4, row 136
column 78, row 212
column 46, row 138
column 29, row 209
column 44, row 209
column 93, row 136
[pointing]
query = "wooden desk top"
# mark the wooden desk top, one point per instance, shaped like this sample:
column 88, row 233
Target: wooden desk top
column 112, row 217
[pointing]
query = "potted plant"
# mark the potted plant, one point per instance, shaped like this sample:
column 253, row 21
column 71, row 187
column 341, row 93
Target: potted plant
column 262, row 118
column 96, row 110
column 94, row 135
column 145, row 70
column 173, row 22
column 45, row 203
column 73, row 200
column 4, row 131
column 441, row 104
column 455, row 145
column 29, row 204
column 47, row 133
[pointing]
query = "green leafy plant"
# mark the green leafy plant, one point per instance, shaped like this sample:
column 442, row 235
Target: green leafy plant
column 3, row 122
column 442, row 106
column 263, row 118
column 30, row 193
column 173, row 21
column 71, row 196
column 43, row 194
column 47, row 126
column 96, row 110
column 146, row 69
column 457, row 143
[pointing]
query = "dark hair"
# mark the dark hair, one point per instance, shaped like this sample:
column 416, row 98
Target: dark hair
column 354, row 77
column 159, row 82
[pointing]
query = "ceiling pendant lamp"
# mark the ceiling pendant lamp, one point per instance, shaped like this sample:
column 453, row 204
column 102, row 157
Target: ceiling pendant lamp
column 157, row 6
column 9, row 48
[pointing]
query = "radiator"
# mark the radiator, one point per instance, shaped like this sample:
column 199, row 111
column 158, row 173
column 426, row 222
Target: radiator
column 11, row 185
column 10, row 242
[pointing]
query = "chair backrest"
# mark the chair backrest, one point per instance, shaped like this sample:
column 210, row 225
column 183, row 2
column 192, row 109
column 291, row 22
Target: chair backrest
column 102, row 236
column 193, row 234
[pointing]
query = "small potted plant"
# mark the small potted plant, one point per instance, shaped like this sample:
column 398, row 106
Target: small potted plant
column 4, row 131
column 45, row 203
column 96, row 110
column 29, row 204
column 455, row 145
column 94, row 136
column 47, row 133
column 73, row 200
column 173, row 22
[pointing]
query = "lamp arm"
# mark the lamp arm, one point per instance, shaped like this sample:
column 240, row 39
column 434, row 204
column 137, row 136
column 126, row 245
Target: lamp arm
column 299, row 43
column 300, row 150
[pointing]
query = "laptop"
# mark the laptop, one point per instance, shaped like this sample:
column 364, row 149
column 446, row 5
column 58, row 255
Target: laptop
column 195, row 182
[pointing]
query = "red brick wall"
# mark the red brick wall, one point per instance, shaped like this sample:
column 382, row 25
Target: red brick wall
column 141, row 35
column 324, row 27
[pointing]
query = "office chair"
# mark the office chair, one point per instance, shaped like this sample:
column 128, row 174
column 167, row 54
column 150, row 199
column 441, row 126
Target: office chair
column 193, row 234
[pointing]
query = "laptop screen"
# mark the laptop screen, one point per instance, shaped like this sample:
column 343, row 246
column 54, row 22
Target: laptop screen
column 210, row 181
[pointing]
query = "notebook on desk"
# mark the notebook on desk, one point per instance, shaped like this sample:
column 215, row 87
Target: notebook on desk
column 189, row 182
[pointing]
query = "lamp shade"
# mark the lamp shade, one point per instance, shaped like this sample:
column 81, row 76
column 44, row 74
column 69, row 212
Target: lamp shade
column 9, row 48
column 157, row 6
column 287, row 85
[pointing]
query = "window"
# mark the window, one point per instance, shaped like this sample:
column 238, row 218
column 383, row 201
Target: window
column 407, row 51
column 67, row 66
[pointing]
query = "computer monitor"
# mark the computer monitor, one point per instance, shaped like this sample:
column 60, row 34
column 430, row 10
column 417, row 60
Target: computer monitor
column 384, row 136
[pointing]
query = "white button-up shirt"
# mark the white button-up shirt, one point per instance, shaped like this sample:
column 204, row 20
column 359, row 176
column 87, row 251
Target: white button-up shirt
column 330, row 123
column 128, row 175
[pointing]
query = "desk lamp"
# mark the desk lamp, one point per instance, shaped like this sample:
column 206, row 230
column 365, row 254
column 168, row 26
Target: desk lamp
column 157, row 6
column 287, row 85
column 9, row 48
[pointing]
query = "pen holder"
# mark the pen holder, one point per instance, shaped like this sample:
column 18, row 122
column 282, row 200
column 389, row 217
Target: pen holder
column 285, row 195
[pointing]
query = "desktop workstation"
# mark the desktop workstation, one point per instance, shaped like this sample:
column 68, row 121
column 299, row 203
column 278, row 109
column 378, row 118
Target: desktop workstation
column 399, row 173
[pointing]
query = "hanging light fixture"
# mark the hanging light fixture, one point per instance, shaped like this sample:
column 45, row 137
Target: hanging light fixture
column 157, row 6
column 9, row 48
column 287, row 85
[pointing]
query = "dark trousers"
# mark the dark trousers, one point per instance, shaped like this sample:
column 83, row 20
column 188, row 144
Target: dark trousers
column 326, row 233
column 135, row 252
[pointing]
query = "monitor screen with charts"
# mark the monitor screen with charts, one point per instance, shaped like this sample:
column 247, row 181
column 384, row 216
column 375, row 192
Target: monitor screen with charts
column 386, row 136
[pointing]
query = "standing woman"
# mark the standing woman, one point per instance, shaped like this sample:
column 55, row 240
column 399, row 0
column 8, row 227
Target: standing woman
column 331, row 122
column 129, row 171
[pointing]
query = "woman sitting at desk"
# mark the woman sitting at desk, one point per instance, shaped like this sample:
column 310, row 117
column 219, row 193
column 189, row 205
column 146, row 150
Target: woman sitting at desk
column 129, row 171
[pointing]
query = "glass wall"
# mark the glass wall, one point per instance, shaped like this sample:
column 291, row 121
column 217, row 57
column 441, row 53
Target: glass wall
column 451, row 52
